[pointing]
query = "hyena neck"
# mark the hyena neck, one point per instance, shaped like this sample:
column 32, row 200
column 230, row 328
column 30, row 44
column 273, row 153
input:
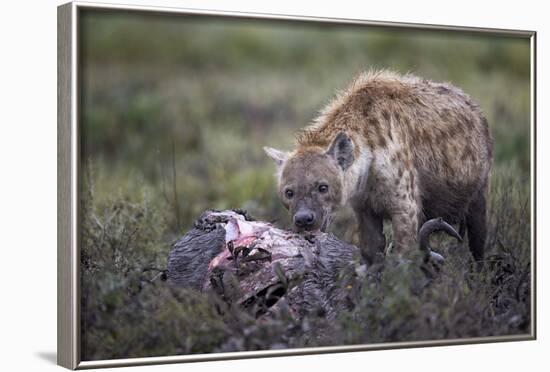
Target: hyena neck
column 355, row 178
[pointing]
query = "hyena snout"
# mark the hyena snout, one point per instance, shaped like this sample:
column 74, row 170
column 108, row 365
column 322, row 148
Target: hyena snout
column 304, row 219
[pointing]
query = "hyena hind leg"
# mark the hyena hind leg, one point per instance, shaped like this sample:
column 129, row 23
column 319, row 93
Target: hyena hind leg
column 462, row 228
column 476, row 223
column 371, row 235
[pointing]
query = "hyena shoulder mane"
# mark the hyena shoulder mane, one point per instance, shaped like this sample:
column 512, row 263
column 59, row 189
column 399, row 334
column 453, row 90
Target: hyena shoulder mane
column 340, row 114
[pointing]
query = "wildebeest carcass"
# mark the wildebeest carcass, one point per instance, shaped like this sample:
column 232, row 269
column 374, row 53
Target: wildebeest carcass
column 260, row 267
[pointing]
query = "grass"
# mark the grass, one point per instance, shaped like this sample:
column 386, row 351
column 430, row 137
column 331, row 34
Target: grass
column 129, row 311
column 175, row 112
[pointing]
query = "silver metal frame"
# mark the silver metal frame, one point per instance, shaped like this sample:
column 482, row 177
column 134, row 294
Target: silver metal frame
column 68, row 171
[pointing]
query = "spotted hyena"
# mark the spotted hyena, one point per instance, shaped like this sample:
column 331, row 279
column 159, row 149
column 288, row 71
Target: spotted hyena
column 393, row 147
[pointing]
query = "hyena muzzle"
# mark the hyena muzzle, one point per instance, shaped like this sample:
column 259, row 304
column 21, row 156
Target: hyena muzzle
column 393, row 147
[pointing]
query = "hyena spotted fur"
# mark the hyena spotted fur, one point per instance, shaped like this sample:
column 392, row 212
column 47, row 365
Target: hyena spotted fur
column 394, row 147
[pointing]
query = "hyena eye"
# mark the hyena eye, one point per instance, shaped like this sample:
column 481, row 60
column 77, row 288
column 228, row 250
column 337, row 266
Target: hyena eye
column 323, row 188
column 289, row 193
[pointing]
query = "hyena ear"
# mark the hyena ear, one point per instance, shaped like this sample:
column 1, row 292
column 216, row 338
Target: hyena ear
column 341, row 150
column 278, row 156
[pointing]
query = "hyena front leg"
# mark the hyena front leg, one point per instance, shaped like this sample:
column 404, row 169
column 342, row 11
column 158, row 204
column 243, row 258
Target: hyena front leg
column 405, row 228
column 371, row 234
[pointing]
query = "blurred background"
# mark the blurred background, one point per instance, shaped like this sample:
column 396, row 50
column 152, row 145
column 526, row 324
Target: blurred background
column 175, row 111
column 197, row 98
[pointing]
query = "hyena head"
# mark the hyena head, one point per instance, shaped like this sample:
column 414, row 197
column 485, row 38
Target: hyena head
column 311, row 181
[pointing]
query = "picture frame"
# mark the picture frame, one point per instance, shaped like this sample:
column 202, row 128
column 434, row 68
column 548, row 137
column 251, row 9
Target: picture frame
column 70, row 171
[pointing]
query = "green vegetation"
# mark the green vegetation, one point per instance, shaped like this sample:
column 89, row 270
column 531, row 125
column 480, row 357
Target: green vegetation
column 175, row 112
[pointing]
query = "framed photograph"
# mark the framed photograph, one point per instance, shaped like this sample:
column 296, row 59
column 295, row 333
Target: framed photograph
column 235, row 185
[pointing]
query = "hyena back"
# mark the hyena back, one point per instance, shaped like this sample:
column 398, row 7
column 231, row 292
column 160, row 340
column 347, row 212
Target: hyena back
column 394, row 147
